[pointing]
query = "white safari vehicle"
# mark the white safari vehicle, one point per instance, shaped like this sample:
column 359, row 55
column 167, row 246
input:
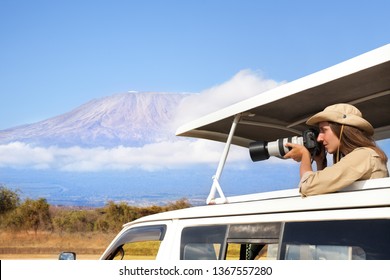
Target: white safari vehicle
column 351, row 224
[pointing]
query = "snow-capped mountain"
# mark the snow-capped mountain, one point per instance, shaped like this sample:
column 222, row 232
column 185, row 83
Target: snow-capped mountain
column 128, row 119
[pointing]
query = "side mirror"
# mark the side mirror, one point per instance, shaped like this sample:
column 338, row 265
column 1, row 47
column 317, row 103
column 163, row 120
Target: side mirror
column 67, row 256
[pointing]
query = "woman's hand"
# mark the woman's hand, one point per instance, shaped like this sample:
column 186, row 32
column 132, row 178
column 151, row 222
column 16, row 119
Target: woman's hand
column 297, row 152
column 300, row 154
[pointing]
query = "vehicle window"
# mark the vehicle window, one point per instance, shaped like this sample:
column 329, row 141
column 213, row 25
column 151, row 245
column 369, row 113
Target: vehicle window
column 252, row 251
column 253, row 241
column 141, row 243
column 337, row 240
column 202, row 242
column 324, row 252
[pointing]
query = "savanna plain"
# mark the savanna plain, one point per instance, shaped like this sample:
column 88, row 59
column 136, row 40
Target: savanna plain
column 33, row 229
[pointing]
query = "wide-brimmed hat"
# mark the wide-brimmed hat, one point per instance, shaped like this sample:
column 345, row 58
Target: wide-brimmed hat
column 342, row 114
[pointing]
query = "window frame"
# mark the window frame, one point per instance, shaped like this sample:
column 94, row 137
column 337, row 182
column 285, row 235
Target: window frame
column 137, row 234
column 245, row 233
column 357, row 235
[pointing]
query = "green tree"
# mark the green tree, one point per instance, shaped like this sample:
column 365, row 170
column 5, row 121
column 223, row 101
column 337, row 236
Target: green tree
column 75, row 220
column 35, row 215
column 118, row 214
column 9, row 200
column 179, row 204
column 114, row 215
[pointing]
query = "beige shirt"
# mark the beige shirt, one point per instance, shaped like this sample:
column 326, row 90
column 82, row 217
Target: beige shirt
column 360, row 164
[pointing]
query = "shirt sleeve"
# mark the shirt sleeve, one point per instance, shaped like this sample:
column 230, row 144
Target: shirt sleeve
column 354, row 166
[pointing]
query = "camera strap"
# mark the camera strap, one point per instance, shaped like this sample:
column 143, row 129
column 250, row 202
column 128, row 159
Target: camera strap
column 338, row 147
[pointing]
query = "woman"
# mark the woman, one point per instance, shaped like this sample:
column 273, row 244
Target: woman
column 345, row 134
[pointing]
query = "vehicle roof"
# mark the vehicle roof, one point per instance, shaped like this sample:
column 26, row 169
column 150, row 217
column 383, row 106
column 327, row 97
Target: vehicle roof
column 362, row 194
column 281, row 112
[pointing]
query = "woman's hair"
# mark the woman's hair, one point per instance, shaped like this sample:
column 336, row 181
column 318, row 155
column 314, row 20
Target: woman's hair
column 353, row 138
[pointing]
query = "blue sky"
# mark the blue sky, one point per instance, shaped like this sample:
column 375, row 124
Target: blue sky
column 57, row 55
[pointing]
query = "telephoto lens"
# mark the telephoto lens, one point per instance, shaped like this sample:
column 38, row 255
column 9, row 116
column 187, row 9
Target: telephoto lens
column 262, row 150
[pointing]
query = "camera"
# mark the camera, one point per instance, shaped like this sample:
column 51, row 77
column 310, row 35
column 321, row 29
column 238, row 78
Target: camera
column 261, row 150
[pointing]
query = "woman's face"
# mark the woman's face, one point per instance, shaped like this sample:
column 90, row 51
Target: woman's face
column 328, row 138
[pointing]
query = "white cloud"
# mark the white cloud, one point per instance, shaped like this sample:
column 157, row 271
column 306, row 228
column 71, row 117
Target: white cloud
column 169, row 155
column 18, row 154
column 177, row 154
column 243, row 85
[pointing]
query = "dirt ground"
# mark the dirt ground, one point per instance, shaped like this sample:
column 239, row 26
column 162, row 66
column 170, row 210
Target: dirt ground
column 48, row 246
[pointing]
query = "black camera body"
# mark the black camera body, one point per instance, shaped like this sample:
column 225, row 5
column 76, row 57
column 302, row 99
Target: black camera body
column 310, row 139
column 261, row 150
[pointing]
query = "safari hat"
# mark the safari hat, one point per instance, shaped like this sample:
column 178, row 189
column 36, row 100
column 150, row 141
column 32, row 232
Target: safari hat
column 343, row 114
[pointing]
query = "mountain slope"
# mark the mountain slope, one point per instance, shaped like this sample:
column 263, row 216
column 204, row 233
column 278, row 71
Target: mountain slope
column 129, row 119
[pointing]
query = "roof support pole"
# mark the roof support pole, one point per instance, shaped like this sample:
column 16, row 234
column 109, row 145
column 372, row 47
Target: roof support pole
column 216, row 187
